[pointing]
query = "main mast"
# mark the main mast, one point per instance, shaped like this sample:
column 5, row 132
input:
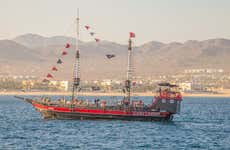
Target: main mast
column 76, row 70
column 129, row 73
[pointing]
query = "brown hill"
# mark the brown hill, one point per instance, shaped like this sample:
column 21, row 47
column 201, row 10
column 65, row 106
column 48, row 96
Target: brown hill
column 37, row 56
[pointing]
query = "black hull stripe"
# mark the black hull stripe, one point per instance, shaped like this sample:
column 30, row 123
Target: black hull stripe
column 81, row 116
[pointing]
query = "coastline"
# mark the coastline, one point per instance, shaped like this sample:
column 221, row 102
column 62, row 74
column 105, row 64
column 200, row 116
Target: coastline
column 14, row 93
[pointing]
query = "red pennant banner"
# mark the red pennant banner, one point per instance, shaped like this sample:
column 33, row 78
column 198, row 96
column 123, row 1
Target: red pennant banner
column 67, row 45
column 87, row 27
column 54, row 69
column 49, row 75
column 64, row 53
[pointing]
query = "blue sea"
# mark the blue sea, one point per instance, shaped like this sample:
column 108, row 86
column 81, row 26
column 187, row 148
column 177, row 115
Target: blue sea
column 204, row 123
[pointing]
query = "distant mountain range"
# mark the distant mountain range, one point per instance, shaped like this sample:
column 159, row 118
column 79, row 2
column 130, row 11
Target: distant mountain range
column 34, row 54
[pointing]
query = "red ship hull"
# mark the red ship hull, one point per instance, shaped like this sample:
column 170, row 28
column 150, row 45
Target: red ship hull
column 52, row 112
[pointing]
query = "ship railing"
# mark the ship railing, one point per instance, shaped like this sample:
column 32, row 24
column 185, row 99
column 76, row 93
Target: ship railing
column 141, row 107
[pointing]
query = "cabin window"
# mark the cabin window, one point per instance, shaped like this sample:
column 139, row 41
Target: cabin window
column 171, row 101
column 163, row 100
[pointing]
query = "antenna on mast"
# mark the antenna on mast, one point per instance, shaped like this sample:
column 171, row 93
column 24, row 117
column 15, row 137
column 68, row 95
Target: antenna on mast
column 76, row 70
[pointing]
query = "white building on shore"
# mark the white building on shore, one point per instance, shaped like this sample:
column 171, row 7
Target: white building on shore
column 62, row 85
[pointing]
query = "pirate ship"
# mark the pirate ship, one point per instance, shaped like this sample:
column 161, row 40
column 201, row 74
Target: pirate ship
column 165, row 104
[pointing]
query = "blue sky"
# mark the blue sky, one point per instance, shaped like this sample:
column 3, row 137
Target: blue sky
column 159, row 20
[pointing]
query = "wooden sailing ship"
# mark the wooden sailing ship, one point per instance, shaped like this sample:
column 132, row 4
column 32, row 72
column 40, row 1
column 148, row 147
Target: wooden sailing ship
column 164, row 105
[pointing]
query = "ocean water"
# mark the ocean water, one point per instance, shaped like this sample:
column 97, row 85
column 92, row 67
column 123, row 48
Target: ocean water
column 204, row 123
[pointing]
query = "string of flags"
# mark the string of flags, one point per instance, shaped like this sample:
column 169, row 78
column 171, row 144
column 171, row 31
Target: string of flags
column 91, row 33
column 64, row 53
column 54, row 68
column 67, row 46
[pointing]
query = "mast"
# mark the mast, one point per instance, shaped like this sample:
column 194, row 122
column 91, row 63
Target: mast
column 76, row 69
column 129, row 73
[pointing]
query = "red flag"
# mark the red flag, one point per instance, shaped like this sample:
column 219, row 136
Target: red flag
column 49, row 75
column 97, row 40
column 54, row 69
column 64, row 53
column 87, row 27
column 132, row 35
column 67, row 45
